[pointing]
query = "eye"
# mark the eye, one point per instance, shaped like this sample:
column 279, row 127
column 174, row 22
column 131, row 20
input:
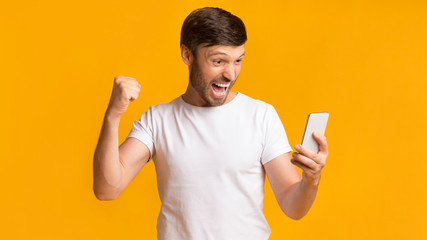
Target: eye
column 239, row 60
column 217, row 62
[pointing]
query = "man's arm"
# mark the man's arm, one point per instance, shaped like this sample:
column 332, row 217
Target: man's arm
column 294, row 194
column 114, row 167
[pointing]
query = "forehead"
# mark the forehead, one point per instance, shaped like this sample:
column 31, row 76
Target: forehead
column 221, row 50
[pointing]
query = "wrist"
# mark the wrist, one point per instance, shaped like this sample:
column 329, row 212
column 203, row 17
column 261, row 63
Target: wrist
column 310, row 182
column 112, row 117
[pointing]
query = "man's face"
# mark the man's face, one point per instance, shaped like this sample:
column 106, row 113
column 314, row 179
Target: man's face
column 214, row 71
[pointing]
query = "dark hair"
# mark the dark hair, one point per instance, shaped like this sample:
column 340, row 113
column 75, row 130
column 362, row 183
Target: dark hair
column 212, row 26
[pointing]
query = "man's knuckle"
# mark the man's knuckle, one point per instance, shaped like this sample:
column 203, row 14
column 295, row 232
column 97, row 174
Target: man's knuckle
column 315, row 157
column 117, row 83
column 122, row 85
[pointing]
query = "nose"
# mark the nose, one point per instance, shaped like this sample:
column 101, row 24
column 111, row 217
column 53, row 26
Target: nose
column 230, row 72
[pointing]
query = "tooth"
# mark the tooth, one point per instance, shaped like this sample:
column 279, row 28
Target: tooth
column 222, row 85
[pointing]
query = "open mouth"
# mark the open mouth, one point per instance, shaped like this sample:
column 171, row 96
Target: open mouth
column 220, row 89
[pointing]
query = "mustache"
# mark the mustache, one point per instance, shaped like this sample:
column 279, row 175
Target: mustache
column 221, row 79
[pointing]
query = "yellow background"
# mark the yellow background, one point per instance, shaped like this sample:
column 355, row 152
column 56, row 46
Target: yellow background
column 362, row 61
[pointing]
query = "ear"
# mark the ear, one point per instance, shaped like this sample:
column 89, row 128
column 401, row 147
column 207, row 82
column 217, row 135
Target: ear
column 186, row 55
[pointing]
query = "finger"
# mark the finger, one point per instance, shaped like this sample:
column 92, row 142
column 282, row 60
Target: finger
column 133, row 96
column 321, row 140
column 305, row 151
column 119, row 79
column 131, row 87
column 300, row 165
column 134, row 88
column 310, row 163
column 125, row 78
column 133, row 82
column 130, row 94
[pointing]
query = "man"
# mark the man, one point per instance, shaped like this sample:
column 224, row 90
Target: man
column 211, row 146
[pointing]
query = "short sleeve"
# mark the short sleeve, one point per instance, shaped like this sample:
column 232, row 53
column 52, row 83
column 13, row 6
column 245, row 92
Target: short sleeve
column 143, row 131
column 275, row 138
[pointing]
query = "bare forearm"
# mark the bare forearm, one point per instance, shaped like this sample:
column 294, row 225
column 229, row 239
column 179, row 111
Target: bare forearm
column 298, row 200
column 107, row 170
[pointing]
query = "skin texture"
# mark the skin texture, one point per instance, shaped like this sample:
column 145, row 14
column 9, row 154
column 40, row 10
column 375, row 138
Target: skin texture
column 294, row 194
column 115, row 167
column 215, row 64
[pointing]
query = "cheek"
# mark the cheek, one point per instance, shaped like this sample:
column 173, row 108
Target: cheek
column 238, row 68
column 211, row 74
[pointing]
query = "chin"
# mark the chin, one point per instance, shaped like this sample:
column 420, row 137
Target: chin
column 215, row 102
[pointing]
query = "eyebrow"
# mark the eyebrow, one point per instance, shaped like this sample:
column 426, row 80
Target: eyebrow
column 223, row 53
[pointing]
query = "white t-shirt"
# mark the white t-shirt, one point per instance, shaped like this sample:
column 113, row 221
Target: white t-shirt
column 209, row 165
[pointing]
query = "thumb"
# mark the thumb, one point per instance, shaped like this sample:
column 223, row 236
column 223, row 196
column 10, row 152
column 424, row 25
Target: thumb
column 321, row 140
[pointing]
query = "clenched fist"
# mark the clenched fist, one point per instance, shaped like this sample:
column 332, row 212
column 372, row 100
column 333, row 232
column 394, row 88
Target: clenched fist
column 125, row 90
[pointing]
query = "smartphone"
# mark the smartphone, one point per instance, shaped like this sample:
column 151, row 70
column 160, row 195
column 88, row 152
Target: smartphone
column 315, row 122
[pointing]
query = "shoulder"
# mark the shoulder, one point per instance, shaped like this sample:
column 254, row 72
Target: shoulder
column 256, row 105
column 160, row 107
column 162, row 110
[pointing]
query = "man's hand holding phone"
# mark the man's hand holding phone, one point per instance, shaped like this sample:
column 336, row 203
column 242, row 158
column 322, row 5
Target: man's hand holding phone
column 311, row 162
column 313, row 150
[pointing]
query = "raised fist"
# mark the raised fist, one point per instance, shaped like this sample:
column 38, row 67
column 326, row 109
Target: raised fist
column 125, row 90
